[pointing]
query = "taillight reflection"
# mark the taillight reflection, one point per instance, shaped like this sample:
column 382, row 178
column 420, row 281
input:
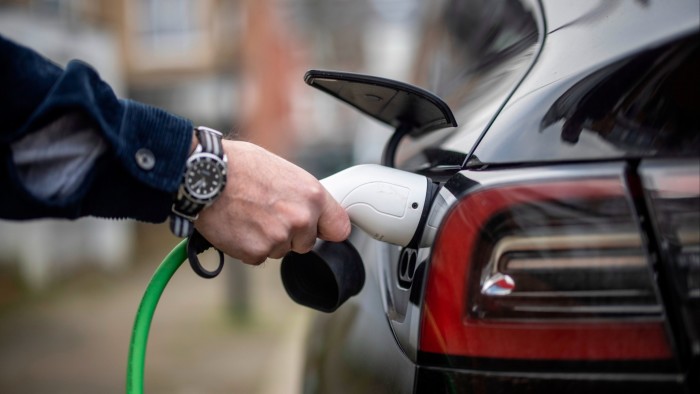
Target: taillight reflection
column 555, row 270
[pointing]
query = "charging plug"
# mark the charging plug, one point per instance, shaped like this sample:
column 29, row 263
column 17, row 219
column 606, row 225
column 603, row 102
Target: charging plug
column 386, row 203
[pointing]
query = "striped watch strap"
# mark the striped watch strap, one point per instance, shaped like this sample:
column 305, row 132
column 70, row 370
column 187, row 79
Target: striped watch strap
column 184, row 210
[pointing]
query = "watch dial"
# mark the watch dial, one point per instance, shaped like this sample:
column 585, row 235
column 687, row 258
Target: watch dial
column 204, row 178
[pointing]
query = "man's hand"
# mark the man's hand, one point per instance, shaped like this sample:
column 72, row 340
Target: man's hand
column 269, row 207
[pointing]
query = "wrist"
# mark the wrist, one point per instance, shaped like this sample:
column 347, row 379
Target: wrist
column 193, row 144
column 203, row 180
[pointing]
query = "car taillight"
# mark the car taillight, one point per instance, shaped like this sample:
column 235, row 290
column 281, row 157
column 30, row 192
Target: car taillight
column 554, row 270
column 674, row 194
column 672, row 188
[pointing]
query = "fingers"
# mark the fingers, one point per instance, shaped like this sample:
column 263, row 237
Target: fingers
column 333, row 224
column 279, row 251
column 259, row 216
column 304, row 242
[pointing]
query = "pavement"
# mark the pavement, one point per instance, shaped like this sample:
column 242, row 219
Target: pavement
column 75, row 338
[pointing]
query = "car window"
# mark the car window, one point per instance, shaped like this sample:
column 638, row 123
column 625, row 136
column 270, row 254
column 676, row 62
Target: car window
column 472, row 55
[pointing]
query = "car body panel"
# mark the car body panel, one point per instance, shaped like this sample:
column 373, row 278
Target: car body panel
column 349, row 350
column 499, row 99
column 585, row 63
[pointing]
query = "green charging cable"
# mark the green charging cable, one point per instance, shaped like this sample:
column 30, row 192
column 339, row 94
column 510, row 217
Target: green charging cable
column 144, row 316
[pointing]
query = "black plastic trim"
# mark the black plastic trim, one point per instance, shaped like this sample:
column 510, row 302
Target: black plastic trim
column 395, row 103
column 546, row 366
column 439, row 380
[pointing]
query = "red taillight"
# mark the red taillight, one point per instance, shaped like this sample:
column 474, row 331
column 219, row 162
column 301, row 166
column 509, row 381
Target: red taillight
column 554, row 270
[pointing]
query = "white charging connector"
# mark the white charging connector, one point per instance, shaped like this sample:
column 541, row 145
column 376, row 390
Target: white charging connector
column 384, row 202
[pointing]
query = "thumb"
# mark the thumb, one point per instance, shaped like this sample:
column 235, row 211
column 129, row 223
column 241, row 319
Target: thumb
column 334, row 223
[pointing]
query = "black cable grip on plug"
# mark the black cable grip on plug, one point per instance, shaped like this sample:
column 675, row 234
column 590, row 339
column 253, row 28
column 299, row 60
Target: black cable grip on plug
column 197, row 244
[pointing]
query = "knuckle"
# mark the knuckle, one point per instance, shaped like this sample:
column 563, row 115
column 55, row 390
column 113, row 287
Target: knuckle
column 255, row 255
column 278, row 254
column 255, row 260
column 316, row 193
column 300, row 219
column 304, row 243
column 277, row 236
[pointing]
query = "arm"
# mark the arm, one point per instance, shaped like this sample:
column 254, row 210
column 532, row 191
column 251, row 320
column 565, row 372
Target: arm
column 140, row 149
column 269, row 206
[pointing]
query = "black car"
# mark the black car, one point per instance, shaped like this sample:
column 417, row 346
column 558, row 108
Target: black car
column 567, row 208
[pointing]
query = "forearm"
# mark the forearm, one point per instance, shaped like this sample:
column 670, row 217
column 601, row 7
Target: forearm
column 144, row 148
column 268, row 207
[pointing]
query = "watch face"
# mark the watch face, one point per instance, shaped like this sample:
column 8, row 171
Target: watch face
column 205, row 177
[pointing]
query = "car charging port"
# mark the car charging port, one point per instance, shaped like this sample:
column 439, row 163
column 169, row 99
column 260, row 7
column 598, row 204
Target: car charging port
column 407, row 267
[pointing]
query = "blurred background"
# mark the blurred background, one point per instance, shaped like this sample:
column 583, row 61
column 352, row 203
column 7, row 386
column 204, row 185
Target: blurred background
column 69, row 289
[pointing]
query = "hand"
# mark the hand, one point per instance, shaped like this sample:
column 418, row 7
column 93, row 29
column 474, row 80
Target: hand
column 269, row 207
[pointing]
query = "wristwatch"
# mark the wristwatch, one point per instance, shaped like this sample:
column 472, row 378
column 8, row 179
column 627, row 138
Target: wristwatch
column 203, row 181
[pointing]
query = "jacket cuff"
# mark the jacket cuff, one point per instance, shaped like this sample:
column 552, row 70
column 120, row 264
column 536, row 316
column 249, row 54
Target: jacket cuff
column 157, row 144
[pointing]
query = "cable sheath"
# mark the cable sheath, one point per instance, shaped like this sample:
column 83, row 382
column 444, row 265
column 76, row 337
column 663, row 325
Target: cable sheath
column 144, row 316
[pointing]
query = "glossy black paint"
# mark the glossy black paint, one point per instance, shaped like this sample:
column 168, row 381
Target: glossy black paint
column 616, row 82
column 534, row 85
column 640, row 106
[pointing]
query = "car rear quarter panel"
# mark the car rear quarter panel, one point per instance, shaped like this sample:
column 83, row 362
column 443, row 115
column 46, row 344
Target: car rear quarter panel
column 582, row 41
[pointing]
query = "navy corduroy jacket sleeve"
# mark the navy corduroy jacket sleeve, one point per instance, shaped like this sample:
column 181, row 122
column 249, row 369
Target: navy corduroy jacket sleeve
column 34, row 92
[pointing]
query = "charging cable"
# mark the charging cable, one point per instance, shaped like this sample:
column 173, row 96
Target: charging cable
column 188, row 249
column 144, row 316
